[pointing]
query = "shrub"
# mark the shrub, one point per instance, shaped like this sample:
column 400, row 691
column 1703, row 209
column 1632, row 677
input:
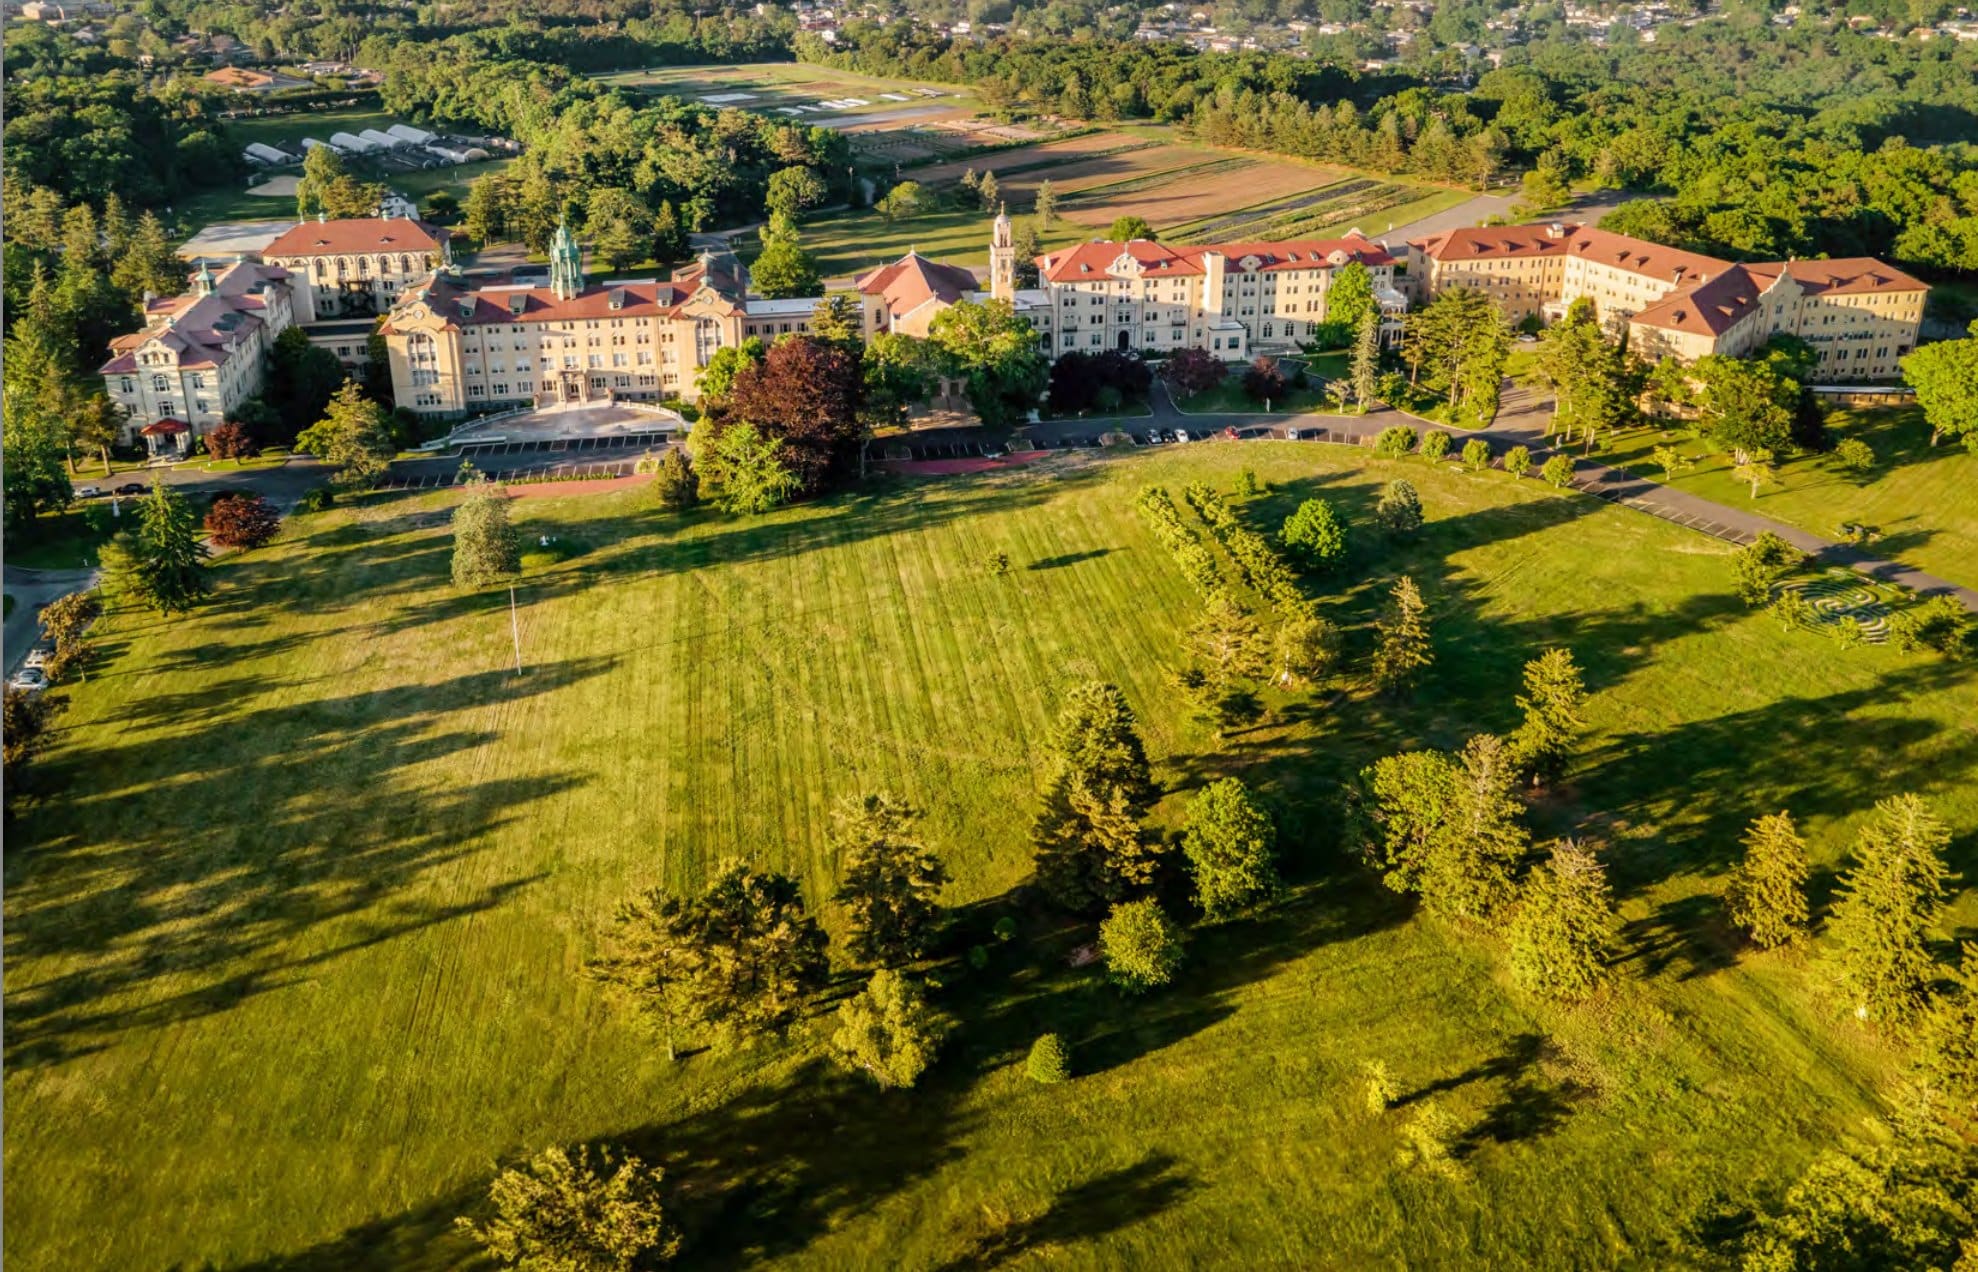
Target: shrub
column 1141, row 944
column 1394, row 442
column 577, row 1210
column 1518, row 460
column 317, row 499
column 1476, row 454
column 242, row 521
column 978, row 957
column 1400, row 507
column 1005, row 928
column 674, row 484
column 1558, row 471
column 1854, row 455
column 1940, row 623
column 1435, row 444
column 1048, row 1061
column 997, row 563
column 1248, row 484
column 230, row 440
column 1192, row 371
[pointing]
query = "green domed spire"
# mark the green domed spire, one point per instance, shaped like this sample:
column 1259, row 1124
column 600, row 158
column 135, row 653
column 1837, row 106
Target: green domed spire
column 566, row 263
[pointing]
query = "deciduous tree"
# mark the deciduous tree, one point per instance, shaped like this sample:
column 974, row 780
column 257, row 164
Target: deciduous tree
column 242, row 519
column 486, row 548
column 887, row 1031
column 1230, row 843
column 1141, row 945
column 1316, row 535
column 354, row 435
column 742, row 470
column 1944, row 375
column 594, row 1211
column 1399, row 511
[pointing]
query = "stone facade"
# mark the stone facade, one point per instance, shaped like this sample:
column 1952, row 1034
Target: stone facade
column 201, row 354
column 358, row 267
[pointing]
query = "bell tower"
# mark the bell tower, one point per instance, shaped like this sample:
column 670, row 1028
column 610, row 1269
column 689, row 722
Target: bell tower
column 566, row 263
column 1002, row 259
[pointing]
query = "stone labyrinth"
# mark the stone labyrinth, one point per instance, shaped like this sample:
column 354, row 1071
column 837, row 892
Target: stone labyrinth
column 1842, row 596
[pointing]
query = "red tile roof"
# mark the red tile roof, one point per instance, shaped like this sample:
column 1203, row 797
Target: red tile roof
column 489, row 306
column 913, row 280
column 1505, row 242
column 1714, row 306
column 1157, row 260
column 1852, row 275
column 355, row 235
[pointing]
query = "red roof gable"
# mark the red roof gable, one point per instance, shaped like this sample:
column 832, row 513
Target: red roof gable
column 1158, row 260
column 355, row 235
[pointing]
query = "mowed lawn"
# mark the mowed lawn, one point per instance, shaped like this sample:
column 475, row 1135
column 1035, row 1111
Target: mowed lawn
column 1918, row 497
column 297, row 923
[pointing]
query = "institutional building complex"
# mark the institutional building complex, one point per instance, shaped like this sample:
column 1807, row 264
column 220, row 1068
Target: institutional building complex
column 462, row 346
column 1861, row 315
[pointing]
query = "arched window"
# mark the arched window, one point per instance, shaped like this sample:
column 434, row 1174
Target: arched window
column 707, row 338
column 159, row 384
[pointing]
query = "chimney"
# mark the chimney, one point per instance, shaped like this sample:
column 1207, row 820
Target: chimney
column 321, row 216
column 1556, row 230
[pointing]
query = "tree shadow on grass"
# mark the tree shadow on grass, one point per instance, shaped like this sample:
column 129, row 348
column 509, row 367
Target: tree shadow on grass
column 1107, row 1202
column 1690, row 931
column 191, row 901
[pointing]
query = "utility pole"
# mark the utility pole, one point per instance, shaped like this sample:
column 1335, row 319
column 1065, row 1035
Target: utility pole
column 515, row 629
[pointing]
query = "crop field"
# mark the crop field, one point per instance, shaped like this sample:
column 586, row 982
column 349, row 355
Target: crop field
column 1309, row 213
column 298, row 904
column 807, row 93
column 1916, row 498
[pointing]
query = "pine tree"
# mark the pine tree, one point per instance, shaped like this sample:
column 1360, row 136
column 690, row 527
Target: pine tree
column 1399, row 511
column 352, row 435
column 669, row 240
column 1766, row 895
column 171, row 560
column 1563, row 930
column 1888, row 902
column 1049, row 1061
column 887, row 1031
column 486, row 548
column 1404, row 640
column 149, row 263
column 1365, row 374
column 891, row 881
column 1303, row 648
column 1946, row 1063
column 1230, row 843
column 1045, row 205
column 1553, row 702
column 1087, row 838
column 1471, row 864
column 987, row 191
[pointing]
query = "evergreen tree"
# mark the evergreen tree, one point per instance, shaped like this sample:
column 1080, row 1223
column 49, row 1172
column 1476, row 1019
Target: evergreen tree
column 887, row 1031
column 1472, row 865
column 1087, row 836
column 1946, row 1063
column 988, row 192
column 836, row 320
column 1400, row 508
column 1888, row 902
column 1230, row 842
column 1027, row 248
column 170, row 562
column 1404, row 649
column 1766, row 895
column 149, row 263
column 892, row 882
column 1045, row 204
column 1563, row 930
column 1141, row 945
column 486, row 548
column 353, row 435
column 669, row 241
column 1553, row 702
column 674, row 482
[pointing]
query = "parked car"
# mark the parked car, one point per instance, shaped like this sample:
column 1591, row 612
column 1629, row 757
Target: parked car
column 133, row 488
column 38, row 655
column 1181, row 435
column 1231, row 435
column 29, row 680
column 89, row 492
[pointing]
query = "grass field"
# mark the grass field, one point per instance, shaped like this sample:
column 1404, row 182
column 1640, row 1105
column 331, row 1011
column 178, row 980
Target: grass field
column 769, row 85
column 1918, row 497
column 1229, row 395
column 295, row 928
